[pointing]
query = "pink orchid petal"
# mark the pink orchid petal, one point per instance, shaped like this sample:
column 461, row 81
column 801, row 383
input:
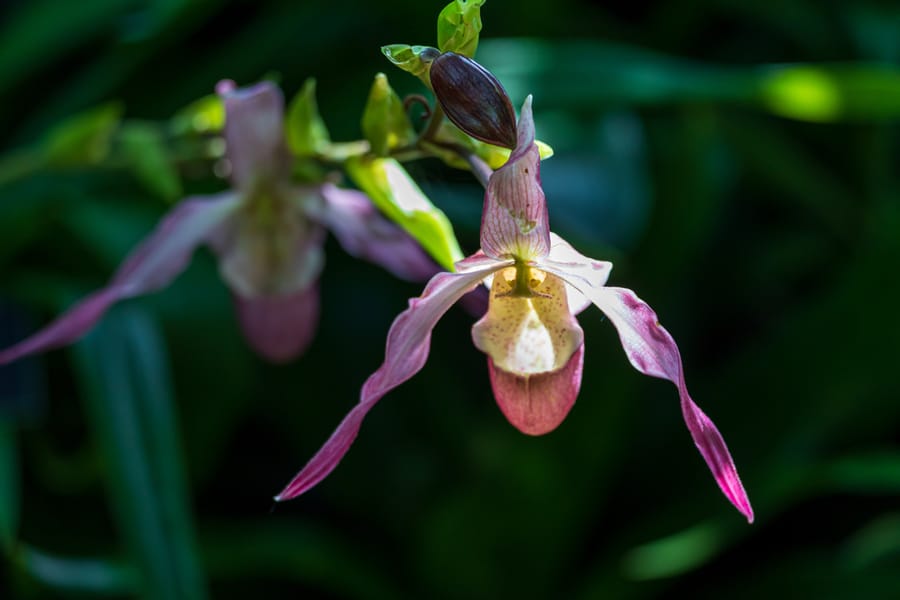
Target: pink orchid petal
column 408, row 343
column 537, row 404
column 515, row 221
column 652, row 351
column 270, row 248
column 150, row 266
column 254, row 133
column 281, row 327
column 364, row 233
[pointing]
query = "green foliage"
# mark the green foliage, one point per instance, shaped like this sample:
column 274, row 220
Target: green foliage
column 125, row 380
column 395, row 193
column 307, row 134
column 458, row 27
column 385, row 123
column 84, row 139
column 204, row 115
column 146, row 154
column 415, row 60
column 9, row 486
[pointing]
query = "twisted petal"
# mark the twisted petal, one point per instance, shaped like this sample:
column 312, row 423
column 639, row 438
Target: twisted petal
column 408, row 343
column 254, row 133
column 364, row 233
column 652, row 351
column 515, row 220
column 279, row 327
column 151, row 266
column 537, row 404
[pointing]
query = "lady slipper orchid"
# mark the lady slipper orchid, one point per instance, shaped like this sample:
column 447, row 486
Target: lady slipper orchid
column 534, row 344
column 268, row 235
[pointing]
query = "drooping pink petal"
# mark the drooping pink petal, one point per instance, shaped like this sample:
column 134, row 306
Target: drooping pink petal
column 408, row 342
column 515, row 220
column 364, row 233
column 652, row 351
column 537, row 404
column 151, row 266
column 254, row 134
column 279, row 327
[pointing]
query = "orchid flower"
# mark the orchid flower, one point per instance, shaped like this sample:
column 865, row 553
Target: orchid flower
column 535, row 346
column 268, row 235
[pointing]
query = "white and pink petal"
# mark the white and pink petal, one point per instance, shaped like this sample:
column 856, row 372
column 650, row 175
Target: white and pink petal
column 515, row 222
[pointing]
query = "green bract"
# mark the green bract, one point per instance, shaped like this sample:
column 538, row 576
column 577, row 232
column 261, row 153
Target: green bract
column 145, row 151
column 412, row 59
column 384, row 122
column 83, row 139
column 458, row 27
column 396, row 195
column 205, row 115
column 306, row 131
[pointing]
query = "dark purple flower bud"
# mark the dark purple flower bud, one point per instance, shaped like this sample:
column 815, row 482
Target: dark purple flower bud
column 473, row 99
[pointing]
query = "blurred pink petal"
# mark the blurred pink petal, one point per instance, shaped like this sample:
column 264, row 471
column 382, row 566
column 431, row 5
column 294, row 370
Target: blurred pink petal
column 281, row 327
column 537, row 404
column 408, row 343
column 269, row 250
column 151, row 266
column 364, row 233
column 254, row 134
column 652, row 351
column 515, row 220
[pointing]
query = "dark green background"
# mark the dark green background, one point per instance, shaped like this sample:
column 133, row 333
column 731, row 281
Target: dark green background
column 769, row 247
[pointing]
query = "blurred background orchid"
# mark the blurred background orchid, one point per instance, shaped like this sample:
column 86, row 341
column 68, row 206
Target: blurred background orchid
column 736, row 161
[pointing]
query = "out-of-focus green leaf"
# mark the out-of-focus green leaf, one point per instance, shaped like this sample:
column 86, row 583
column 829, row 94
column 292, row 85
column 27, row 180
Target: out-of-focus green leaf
column 299, row 551
column 412, row 59
column 872, row 473
column 876, row 541
column 832, row 92
column 385, row 122
column 84, row 139
column 396, row 194
column 125, row 379
column 204, row 115
column 673, row 555
column 43, row 29
column 145, row 152
column 458, row 27
column 9, row 485
column 590, row 74
column 307, row 134
column 77, row 575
